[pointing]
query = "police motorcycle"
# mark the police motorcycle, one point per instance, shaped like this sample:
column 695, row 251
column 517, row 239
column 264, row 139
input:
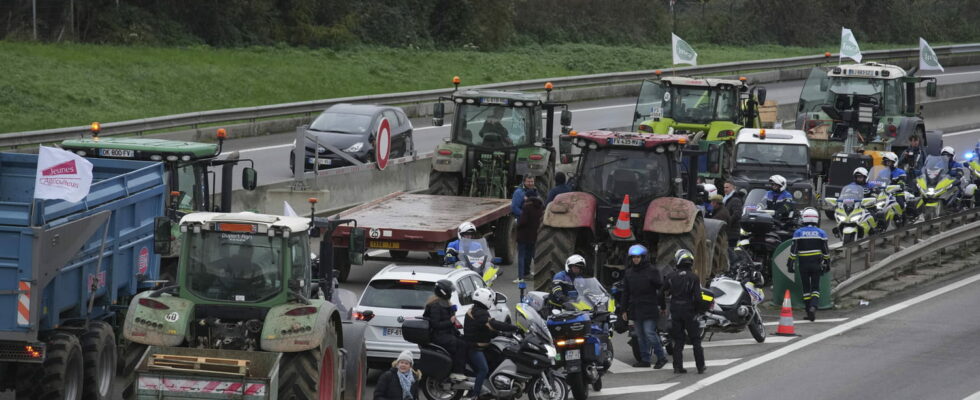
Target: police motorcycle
column 886, row 209
column 735, row 305
column 937, row 189
column 854, row 221
column 972, row 175
column 520, row 363
column 761, row 231
column 476, row 255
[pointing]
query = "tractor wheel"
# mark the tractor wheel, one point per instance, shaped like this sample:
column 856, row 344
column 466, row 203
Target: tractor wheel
column 933, row 143
column 553, row 247
column 355, row 365
column 341, row 263
column 63, row 369
column 719, row 258
column 99, row 355
column 505, row 240
column 444, row 183
column 694, row 241
column 126, row 367
column 312, row 374
column 545, row 182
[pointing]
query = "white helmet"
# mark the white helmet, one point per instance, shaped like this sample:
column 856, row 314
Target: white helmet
column 466, row 227
column 710, row 189
column 811, row 216
column 778, row 180
column 889, row 156
column 860, row 171
column 949, row 150
column 576, row 260
column 484, row 296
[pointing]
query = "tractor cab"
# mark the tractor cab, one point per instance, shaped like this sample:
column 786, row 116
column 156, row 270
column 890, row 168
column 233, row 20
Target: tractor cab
column 497, row 137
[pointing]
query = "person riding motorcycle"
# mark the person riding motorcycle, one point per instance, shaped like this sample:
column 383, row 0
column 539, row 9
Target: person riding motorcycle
column 898, row 177
column 478, row 329
column 861, row 179
column 955, row 168
column 810, row 252
column 442, row 324
column 778, row 198
column 564, row 281
column 466, row 230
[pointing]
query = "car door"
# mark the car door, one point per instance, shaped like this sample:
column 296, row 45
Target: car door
column 397, row 133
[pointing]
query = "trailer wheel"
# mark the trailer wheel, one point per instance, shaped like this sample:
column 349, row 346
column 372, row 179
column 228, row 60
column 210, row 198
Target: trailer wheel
column 99, row 355
column 504, row 240
column 126, row 367
column 341, row 263
column 694, row 240
column 444, row 183
column 62, row 369
column 355, row 368
column 553, row 247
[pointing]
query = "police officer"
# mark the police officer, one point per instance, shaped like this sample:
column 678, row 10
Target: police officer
column 564, row 281
column 778, row 198
column 860, row 175
column 683, row 285
column 811, row 254
column 898, row 177
column 912, row 157
column 953, row 167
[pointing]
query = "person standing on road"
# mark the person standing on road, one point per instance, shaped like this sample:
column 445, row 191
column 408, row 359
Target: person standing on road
column 912, row 158
column 683, row 285
column 810, row 252
column 561, row 186
column 733, row 202
column 444, row 327
column 527, row 232
column 718, row 209
column 517, row 200
column 401, row 382
column 641, row 296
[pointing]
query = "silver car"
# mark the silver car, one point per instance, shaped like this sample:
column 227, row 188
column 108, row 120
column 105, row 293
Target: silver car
column 398, row 293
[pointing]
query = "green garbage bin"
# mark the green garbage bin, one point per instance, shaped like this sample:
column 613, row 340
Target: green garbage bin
column 782, row 280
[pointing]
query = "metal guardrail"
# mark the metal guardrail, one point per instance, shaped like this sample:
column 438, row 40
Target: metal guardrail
column 900, row 247
column 194, row 119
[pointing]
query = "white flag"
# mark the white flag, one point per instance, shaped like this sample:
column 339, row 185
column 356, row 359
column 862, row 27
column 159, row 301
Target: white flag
column 683, row 52
column 287, row 210
column 927, row 57
column 849, row 45
column 62, row 175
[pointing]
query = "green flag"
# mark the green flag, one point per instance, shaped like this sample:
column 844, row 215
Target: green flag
column 683, row 52
column 849, row 45
column 927, row 57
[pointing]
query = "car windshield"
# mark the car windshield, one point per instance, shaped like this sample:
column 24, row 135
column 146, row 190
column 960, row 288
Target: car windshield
column 234, row 266
column 776, row 153
column 393, row 293
column 494, row 126
column 610, row 174
column 880, row 176
column 852, row 192
column 686, row 104
column 342, row 123
column 592, row 293
column 754, row 201
column 935, row 167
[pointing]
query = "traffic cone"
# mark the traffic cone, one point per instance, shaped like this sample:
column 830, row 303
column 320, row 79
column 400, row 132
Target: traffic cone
column 786, row 318
column 622, row 229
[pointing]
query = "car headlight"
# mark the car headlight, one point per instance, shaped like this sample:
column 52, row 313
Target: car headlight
column 321, row 149
column 354, row 148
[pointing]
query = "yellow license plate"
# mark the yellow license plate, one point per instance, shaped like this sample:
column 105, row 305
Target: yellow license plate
column 381, row 244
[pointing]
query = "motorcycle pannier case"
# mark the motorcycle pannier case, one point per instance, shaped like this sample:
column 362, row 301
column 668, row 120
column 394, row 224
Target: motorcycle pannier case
column 434, row 363
column 416, row 331
column 756, row 223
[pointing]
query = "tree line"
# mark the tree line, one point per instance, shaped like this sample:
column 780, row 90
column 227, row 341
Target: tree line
column 484, row 24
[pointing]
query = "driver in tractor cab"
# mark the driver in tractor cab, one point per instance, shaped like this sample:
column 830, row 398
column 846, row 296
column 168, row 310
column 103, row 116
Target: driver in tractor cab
column 493, row 125
column 778, row 198
column 466, row 231
column 861, row 179
column 245, row 275
column 564, row 281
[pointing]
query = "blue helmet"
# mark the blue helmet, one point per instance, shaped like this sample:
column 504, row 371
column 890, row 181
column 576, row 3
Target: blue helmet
column 637, row 250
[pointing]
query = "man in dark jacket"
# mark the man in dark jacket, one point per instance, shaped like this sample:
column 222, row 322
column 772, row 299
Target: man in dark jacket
column 527, row 232
column 400, row 382
column 718, row 210
column 560, row 187
column 733, row 202
column 641, row 297
column 682, row 285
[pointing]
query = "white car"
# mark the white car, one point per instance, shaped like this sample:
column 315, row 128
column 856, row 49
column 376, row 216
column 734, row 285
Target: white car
column 399, row 293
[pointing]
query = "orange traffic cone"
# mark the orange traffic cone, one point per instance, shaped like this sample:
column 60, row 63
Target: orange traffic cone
column 622, row 229
column 786, row 318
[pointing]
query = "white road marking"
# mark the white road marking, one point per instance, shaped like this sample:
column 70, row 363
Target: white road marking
column 278, row 146
column 375, row 253
column 975, row 396
column 952, row 74
column 744, row 342
column 619, row 367
column 632, row 389
column 835, row 331
column 960, row 133
column 795, row 322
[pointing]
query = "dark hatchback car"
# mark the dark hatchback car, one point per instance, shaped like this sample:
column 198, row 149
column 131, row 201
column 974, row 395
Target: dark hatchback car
column 351, row 128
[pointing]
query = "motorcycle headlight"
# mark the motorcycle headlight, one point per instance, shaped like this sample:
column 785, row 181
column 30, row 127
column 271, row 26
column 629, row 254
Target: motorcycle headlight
column 855, row 218
column 881, row 205
column 552, row 353
column 931, row 192
column 840, row 217
column 354, row 148
column 743, row 232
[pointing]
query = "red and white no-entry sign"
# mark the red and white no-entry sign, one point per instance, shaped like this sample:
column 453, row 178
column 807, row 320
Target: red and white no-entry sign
column 382, row 144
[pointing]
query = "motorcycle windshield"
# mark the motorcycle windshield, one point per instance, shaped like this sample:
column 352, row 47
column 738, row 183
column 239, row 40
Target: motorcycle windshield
column 852, row 192
column 880, row 176
column 592, row 293
column 475, row 251
column 535, row 324
column 755, row 201
column 935, row 169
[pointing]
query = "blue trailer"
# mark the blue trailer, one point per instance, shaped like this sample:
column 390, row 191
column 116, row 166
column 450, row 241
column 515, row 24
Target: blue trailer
column 65, row 270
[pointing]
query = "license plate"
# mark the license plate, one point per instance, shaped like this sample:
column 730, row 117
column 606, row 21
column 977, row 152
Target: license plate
column 392, row 332
column 116, row 153
column 322, row 161
column 627, row 142
column 381, row 244
column 573, row 355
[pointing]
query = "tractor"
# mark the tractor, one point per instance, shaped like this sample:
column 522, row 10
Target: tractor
column 188, row 167
column 710, row 111
column 246, row 293
column 634, row 176
column 497, row 138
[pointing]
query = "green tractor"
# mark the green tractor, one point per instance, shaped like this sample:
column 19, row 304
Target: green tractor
column 188, row 166
column 497, row 138
column 710, row 111
column 246, row 296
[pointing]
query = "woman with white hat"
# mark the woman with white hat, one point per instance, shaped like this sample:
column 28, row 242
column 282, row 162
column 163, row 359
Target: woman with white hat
column 400, row 382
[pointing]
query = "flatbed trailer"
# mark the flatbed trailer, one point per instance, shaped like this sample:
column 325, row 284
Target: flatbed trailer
column 402, row 222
